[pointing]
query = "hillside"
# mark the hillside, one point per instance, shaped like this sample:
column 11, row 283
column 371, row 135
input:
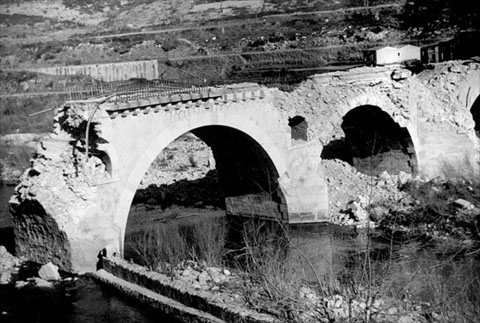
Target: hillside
column 221, row 40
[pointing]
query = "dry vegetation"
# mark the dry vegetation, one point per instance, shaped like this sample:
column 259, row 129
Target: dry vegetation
column 439, row 284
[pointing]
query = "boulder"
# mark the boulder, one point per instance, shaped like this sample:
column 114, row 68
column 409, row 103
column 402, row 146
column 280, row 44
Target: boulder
column 49, row 272
column 20, row 284
column 8, row 265
column 463, row 204
column 401, row 74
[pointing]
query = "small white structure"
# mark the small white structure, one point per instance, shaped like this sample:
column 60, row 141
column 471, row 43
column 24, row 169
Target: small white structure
column 393, row 55
column 409, row 52
column 387, row 55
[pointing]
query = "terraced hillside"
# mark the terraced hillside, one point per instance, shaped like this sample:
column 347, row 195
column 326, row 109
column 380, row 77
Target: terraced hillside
column 221, row 41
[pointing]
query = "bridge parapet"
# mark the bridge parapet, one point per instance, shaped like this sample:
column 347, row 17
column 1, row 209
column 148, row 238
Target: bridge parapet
column 356, row 75
column 216, row 95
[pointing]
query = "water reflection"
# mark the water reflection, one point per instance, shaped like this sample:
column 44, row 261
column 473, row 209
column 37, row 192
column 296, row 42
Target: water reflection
column 81, row 302
column 6, row 230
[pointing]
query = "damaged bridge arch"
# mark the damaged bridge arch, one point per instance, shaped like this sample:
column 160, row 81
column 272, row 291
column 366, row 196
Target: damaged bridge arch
column 375, row 136
column 267, row 174
column 210, row 128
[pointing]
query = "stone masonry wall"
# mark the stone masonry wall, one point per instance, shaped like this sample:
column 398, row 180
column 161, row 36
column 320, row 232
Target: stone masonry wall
column 109, row 72
column 49, row 203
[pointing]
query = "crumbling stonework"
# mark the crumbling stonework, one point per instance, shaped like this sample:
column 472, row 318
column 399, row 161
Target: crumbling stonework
column 433, row 107
column 54, row 193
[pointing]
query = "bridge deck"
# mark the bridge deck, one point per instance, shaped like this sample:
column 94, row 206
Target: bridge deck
column 192, row 96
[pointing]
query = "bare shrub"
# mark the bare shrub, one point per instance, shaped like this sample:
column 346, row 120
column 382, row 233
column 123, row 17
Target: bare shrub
column 447, row 284
column 164, row 245
column 275, row 271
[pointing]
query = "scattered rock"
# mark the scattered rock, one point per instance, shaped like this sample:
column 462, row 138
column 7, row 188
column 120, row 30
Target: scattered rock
column 384, row 175
column 42, row 283
column 20, row 284
column 8, row 266
column 401, row 74
column 49, row 272
column 203, row 278
column 464, row 204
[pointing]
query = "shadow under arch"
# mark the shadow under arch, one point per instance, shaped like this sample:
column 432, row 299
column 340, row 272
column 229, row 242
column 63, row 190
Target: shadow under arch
column 475, row 110
column 373, row 143
column 247, row 161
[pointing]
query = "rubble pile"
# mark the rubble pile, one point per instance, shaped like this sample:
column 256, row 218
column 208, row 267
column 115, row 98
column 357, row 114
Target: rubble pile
column 351, row 193
column 444, row 82
column 238, row 289
column 186, row 158
column 54, row 192
column 183, row 174
column 445, row 210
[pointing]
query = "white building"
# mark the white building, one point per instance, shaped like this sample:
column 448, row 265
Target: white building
column 393, row 55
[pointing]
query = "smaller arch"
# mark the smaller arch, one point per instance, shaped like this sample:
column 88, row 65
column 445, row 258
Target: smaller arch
column 475, row 111
column 108, row 155
column 373, row 143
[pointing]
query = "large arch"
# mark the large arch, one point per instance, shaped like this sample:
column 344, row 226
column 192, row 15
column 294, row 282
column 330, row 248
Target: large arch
column 244, row 131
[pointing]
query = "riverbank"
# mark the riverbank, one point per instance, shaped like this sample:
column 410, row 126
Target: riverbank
column 16, row 150
column 309, row 275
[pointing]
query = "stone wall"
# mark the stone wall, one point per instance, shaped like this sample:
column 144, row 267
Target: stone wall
column 108, row 72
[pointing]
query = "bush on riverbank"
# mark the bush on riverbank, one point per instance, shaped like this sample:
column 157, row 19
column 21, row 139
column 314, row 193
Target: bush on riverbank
column 422, row 282
column 162, row 246
column 447, row 208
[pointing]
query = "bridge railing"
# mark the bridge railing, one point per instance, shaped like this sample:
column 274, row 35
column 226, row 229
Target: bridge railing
column 137, row 89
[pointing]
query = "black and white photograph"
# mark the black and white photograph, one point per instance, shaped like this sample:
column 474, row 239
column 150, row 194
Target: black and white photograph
column 240, row 161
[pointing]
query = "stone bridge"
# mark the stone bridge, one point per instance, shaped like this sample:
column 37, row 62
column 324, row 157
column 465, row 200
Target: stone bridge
column 268, row 147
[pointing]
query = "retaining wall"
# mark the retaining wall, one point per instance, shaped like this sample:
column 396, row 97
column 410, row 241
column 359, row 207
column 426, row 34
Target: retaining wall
column 182, row 292
column 108, row 72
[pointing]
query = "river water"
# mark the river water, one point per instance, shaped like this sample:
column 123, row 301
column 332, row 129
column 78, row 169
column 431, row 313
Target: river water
column 82, row 301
